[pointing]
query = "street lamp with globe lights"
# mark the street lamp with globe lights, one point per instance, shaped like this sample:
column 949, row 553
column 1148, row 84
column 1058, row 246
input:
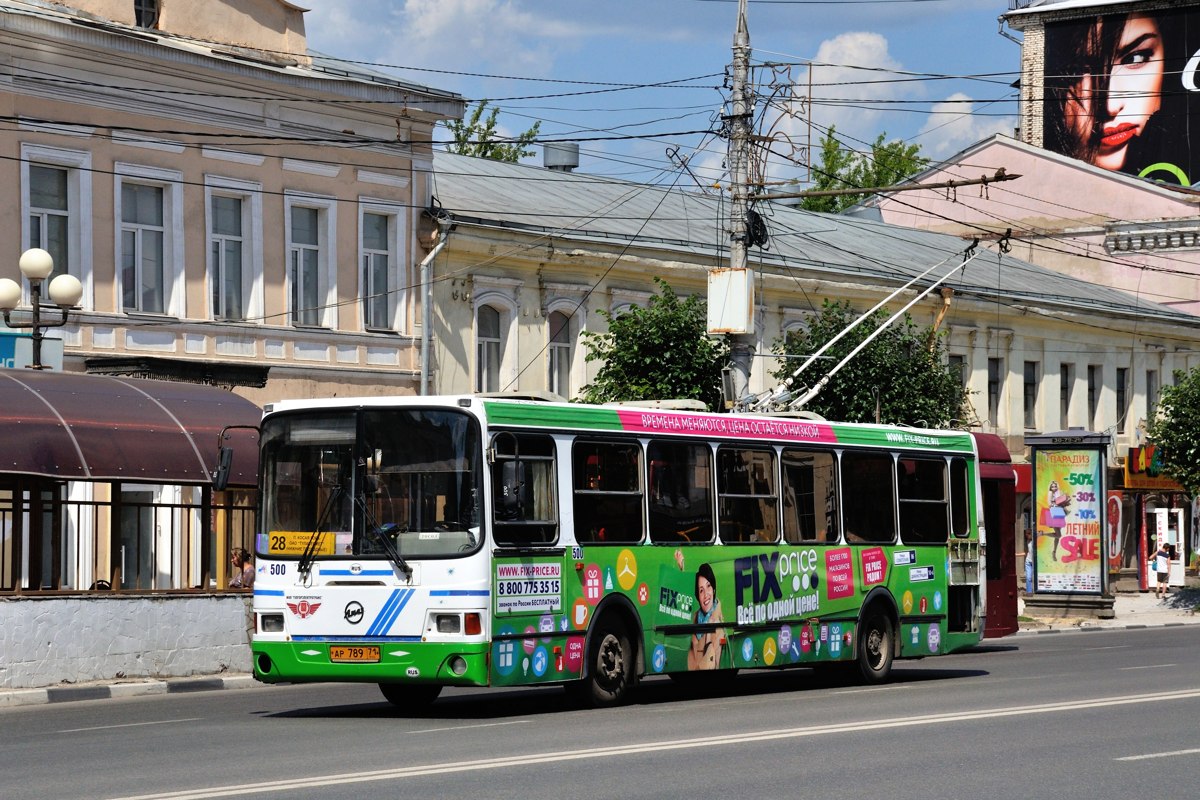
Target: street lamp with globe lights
column 65, row 290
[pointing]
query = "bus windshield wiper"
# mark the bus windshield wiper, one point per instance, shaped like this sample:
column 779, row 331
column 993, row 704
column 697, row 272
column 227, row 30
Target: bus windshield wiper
column 309, row 556
column 385, row 541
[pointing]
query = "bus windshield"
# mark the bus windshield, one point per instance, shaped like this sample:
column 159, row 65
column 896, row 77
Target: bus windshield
column 371, row 482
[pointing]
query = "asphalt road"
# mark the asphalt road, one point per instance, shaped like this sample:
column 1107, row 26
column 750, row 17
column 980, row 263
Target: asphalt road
column 1100, row 714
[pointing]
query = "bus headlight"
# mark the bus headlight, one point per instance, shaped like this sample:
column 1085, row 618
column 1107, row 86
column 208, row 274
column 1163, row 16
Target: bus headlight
column 448, row 623
column 270, row 623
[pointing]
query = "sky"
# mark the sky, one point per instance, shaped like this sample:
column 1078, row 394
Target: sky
column 931, row 72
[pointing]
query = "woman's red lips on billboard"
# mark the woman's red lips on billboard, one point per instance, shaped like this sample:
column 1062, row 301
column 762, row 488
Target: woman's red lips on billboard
column 1118, row 135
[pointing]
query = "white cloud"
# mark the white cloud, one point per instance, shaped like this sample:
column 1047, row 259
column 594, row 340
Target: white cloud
column 952, row 127
column 498, row 36
column 851, row 71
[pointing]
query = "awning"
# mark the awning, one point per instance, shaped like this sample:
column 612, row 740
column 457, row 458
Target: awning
column 100, row 428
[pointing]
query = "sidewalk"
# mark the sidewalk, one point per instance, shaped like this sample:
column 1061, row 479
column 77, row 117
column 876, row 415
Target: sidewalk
column 1131, row 609
column 132, row 688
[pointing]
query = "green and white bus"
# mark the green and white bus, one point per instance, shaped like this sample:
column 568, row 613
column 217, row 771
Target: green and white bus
column 423, row 542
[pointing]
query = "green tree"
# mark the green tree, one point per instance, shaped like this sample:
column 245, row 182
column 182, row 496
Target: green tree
column 887, row 164
column 476, row 136
column 658, row 352
column 902, row 372
column 1175, row 430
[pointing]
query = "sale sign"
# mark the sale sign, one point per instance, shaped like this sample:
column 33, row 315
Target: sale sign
column 1070, row 520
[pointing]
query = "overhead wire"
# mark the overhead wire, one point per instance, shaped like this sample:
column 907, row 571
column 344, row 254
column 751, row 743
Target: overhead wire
column 318, row 140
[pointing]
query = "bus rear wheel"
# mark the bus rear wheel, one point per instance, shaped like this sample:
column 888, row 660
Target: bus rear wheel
column 410, row 695
column 876, row 643
column 610, row 667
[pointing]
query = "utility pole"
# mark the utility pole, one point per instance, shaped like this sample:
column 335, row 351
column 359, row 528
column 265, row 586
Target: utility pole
column 731, row 292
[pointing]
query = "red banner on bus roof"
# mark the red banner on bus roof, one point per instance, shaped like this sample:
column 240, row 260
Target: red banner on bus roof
column 733, row 425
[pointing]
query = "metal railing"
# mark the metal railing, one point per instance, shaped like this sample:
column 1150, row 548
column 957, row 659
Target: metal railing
column 57, row 537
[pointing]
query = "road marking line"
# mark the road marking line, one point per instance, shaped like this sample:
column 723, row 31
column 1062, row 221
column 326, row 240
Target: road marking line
column 613, row 751
column 466, row 727
column 131, row 725
column 891, row 688
column 1145, row 756
column 1146, row 666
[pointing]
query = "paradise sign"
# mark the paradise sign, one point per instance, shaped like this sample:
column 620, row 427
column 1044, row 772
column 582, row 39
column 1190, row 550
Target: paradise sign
column 1070, row 502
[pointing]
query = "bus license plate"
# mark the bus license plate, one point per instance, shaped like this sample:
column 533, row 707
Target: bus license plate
column 354, row 654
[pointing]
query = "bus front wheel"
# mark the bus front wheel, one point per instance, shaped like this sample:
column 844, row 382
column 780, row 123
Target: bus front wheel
column 876, row 643
column 610, row 666
column 410, row 695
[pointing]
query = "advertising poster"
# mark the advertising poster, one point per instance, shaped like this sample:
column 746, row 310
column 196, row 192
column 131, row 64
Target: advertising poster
column 1121, row 92
column 1067, row 485
column 1114, row 517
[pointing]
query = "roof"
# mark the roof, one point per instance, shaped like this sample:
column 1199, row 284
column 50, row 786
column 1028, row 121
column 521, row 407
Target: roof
column 1045, row 6
column 592, row 210
column 1129, row 183
column 324, row 72
column 99, row 428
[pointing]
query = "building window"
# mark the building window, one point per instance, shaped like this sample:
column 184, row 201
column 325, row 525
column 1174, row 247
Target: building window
column 1066, row 386
column 956, row 365
column 49, row 216
column 1095, row 381
column 489, row 350
column 311, row 235
column 1031, row 394
column 235, row 248
column 1152, row 390
column 145, row 13
column 56, row 191
column 149, row 239
column 228, row 246
column 143, row 248
column 376, row 269
column 995, row 385
column 561, row 343
column 1122, row 397
column 304, row 250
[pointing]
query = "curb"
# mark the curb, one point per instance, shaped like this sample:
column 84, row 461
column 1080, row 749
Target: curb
column 1132, row 626
column 71, row 694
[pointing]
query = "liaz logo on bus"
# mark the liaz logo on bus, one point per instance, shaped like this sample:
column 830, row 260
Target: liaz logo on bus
column 303, row 608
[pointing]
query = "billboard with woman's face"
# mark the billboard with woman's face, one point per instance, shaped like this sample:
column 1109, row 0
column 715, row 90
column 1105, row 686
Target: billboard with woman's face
column 1121, row 91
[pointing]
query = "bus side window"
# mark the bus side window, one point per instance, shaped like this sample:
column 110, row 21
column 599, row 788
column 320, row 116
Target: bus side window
column 607, row 492
column 924, row 509
column 523, row 489
column 960, row 524
column 680, row 492
column 810, row 496
column 747, row 501
column 868, row 497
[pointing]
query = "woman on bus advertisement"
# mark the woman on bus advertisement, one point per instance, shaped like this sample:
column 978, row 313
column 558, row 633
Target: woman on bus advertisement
column 705, row 649
column 1116, row 93
column 1069, row 521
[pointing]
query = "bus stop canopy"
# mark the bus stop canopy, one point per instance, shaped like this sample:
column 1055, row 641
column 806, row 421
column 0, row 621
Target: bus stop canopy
column 73, row 426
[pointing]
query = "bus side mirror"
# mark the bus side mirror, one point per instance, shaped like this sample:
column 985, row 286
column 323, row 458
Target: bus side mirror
column 220, row 478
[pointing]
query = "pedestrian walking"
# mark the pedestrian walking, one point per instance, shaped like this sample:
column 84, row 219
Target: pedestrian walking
column 1028, row 562
column 1162, row 566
